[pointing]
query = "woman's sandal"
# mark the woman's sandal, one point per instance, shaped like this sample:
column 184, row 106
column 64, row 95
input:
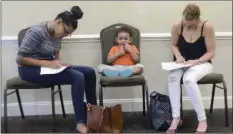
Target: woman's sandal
column 88, row 131
column 199, row 132
column 172, row 131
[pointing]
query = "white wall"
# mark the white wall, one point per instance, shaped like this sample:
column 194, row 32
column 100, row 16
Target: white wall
column 154, row 50
column 148, row 16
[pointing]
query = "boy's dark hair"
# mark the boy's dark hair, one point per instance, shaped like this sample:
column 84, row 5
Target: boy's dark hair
column 124, row 29
column 71, row 18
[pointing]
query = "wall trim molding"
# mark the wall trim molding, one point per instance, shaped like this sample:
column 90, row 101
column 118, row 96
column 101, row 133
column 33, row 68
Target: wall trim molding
column 95, row 37
column 134, row 104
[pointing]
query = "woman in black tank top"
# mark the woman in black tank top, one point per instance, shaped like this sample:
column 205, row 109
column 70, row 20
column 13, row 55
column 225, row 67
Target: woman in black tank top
column 192, row 50
column 193, row 43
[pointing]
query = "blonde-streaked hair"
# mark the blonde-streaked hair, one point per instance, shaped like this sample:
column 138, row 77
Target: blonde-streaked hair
column 191, row 12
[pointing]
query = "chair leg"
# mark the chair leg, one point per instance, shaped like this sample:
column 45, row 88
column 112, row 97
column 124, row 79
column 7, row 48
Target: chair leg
column 20, row 103
column 53, row 109
column 143, row 98
column 5, row 112
column 212, row 98
column 147, row 106
column 62, row 102
column 147, row 98
column 226, row 104
column 100, row 95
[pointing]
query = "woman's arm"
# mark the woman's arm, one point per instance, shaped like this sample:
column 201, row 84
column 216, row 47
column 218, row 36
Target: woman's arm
column 57, row 54
column 174, row 40
column 41, row 63
column 209, row 35
column 31, row 40
column 32, row 62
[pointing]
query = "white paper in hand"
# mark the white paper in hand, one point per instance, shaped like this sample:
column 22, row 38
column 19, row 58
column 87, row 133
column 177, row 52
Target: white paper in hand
column 172, row 65
column 46, row 70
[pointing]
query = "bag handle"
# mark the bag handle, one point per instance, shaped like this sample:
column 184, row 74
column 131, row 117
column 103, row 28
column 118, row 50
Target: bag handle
column 153, row 93
column 101, row 116
column 101, row 119
column 156, row 95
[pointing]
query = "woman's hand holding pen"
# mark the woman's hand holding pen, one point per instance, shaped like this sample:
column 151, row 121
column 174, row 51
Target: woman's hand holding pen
column 55, row 64
column 68, row 65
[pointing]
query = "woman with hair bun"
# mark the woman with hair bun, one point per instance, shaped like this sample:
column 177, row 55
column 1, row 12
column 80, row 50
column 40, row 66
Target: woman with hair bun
column 40, row 47
column 193, row 43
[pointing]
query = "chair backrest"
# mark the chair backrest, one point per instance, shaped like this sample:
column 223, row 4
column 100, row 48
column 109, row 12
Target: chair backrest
column 21, row 35
column 107, row 38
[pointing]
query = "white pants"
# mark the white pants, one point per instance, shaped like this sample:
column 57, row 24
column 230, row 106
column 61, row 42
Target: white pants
column 190, row 78
column 117, row 67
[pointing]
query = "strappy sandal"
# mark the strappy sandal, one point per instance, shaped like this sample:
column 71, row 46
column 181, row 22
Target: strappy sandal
column 88, row 131
column 199, row 132
column 172, row 131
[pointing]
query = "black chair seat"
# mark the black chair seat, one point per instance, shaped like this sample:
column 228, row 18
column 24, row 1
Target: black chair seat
column 122, row 81
column 18, row 83
column 210, row 79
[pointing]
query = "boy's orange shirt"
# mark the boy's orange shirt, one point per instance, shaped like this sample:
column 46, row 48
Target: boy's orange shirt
column 124, row 59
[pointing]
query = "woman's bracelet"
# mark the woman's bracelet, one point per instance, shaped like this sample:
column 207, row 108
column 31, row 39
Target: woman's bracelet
column 200, row 61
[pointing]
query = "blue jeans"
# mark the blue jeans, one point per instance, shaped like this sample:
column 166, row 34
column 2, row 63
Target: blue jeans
column 81, row 78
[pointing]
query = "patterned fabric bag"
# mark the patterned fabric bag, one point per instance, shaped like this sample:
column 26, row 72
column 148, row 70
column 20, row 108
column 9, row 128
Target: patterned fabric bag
column 160, row 111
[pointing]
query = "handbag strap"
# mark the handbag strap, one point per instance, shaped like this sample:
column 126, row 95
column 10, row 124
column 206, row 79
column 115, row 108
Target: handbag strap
column 153, row 93
column 101, row 119
column 110, row 120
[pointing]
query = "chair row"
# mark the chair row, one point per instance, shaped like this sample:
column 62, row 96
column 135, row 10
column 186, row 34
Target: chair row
column 107, row 38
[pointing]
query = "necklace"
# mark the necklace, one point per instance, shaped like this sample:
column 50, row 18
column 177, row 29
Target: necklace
column 191, row 32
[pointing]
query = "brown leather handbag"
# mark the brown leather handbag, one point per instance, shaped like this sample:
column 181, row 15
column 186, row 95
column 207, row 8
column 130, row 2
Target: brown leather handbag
column 102, row 119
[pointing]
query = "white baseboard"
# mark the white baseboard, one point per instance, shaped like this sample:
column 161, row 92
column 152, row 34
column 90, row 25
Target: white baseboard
column 135, row 104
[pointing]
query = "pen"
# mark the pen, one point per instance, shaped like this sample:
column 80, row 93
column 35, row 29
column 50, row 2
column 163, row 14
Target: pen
column 53, row 56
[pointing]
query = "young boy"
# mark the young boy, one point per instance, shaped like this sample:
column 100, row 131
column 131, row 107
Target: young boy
column 122, row 56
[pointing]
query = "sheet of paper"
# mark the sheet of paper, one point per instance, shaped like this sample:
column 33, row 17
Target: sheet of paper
column 172, row 66
column 46, row 70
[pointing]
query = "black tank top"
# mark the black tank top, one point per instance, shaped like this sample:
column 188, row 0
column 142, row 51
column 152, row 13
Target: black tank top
column 192, row 51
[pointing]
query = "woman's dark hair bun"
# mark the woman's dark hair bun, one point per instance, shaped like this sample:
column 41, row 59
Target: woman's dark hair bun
column 77, row 12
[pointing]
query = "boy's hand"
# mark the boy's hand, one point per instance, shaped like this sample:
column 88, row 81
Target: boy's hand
column 122, row 51
column 128, row 48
